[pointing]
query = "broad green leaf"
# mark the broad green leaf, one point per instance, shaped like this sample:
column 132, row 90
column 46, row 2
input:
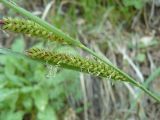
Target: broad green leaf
column 138, row 4
column 3, row 59
column 40, row 99
column 12, row 74
column 9, row 72
column 62, row 76
column 9, row 68
column 18, row 64
column 3, row 81
column 8, row 98
column 27, row 89
column 10, row 115
column 47, row 114
column 27, row 102
column 6, row 93
column 18, row 44
column 141, row 57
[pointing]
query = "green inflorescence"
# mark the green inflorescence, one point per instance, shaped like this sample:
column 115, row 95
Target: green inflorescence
column 76, row 63
column 30, row 28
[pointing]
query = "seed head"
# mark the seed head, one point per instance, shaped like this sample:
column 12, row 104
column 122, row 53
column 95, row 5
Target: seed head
column 19, row 25
column 76, row 63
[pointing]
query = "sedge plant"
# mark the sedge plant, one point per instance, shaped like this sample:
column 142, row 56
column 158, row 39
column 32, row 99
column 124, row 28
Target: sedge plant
column 36, row 27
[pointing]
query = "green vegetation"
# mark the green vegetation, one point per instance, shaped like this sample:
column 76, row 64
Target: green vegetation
column 41, row 93
column 28, row 89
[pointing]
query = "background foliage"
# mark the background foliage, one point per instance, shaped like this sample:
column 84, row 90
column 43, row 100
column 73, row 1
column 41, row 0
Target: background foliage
column 126, row 31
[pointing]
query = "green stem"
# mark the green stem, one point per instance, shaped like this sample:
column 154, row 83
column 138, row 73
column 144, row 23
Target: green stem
column 69, row 39
column 146, row 90
column 152, row 77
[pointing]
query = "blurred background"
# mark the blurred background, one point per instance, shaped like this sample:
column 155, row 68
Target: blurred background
column 127, row 32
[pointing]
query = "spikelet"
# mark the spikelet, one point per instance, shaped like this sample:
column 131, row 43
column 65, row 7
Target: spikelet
column 76, row 63
column 19, row 25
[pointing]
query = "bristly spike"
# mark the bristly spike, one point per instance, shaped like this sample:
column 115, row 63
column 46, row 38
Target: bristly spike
column 77, row 63
column 19, row 25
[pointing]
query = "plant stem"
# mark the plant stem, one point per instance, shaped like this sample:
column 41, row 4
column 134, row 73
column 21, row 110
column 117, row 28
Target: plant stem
column 146, row 90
